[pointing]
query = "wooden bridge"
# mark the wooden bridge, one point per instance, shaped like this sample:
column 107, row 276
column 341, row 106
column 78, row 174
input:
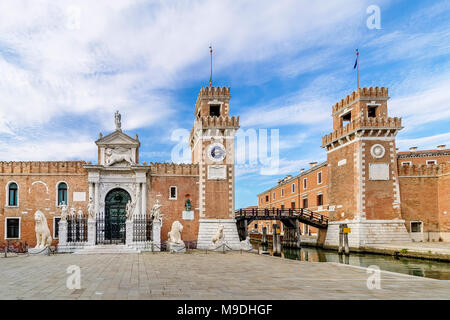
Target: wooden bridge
column 290, row 219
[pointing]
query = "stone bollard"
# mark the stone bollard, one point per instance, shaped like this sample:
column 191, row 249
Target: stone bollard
column 264, row 236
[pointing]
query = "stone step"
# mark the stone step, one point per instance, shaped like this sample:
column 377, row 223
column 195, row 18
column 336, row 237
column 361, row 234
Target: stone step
column 107, row 249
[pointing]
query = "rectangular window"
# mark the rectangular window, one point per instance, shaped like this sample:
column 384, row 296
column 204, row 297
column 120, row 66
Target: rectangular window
column 372, row 111
column 12, row 197
column 305, row 202
column 214, row 110
column 416, row 226
column 430, row 162
column 282, row 192
column 293, row 187
column 282, row 207
column 173, row 193
column 267, row 198
column 12, row 228
column 406, row 163
column 320, row 199
column 293, row 204
column 346, row 118
column 319, row 177
column 304, row 183
column 56, row 227
column 273, row 195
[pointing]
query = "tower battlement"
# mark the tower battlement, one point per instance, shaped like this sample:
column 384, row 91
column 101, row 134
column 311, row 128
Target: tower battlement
column 215, row 97
column 361, row 93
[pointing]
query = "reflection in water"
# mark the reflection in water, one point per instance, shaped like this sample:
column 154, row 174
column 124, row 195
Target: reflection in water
column 415, row 267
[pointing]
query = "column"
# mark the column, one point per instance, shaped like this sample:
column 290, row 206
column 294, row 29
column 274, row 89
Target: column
column 144, row 199
column 91, row 190
column 62, row 232
column 92, row 223
column 96, row 199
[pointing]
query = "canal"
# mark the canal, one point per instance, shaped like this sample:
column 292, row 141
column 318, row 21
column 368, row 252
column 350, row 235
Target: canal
column 415, row 267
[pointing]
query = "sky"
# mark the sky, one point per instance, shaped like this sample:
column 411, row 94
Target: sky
column 66, row 67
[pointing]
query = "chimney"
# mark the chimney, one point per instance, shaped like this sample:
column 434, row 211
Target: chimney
column 441, row 147
column 302, row 170
column 413, row 149
column 312, row 164
column 279, row 181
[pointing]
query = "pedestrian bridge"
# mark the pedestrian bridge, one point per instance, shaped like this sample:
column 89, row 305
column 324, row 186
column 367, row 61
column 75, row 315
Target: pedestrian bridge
column 290, row 219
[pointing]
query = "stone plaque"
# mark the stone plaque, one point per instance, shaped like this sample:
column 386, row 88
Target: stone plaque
column 217, row 172
column 378, row 171
column 79, row 196
column 188, row 215
column 342, row 162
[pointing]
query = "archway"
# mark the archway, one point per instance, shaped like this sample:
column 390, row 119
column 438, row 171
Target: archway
column 115, row 215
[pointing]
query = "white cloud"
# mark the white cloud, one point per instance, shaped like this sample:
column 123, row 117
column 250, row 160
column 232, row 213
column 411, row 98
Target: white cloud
column 424, row 143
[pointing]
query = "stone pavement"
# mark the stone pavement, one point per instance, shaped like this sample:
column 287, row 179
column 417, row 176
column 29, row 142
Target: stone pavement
column 202, row 276
column 428, row 250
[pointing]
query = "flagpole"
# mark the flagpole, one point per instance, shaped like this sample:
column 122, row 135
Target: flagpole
column 357, row 69
column 210, row 79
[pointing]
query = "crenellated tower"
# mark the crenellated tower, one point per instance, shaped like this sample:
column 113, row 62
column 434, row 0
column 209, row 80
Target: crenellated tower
column 212, row 145
column 363, row 182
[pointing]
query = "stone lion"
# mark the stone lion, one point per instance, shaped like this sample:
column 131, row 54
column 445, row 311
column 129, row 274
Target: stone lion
column 118, row 155
column 219, row 237
column 175, row 234
column 43, row 238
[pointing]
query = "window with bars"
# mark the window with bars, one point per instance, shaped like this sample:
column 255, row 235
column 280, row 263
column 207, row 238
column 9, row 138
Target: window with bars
column 173, row 192
column 12, row 228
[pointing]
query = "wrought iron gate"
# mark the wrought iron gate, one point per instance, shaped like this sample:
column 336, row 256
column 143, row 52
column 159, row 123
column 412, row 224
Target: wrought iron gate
column 111, row 224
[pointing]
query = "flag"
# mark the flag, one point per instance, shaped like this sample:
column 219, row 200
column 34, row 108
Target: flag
column 356, row 62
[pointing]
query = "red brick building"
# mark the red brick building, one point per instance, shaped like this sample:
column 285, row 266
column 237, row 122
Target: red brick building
column 381, row 194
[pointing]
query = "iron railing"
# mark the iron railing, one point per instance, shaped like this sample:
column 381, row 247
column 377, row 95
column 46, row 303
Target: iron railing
column 77, row 229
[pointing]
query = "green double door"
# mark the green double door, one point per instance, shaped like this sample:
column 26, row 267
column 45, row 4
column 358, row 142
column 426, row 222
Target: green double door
column 115, row 215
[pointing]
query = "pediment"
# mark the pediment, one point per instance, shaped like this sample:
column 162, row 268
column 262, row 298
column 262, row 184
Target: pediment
column 117, row 139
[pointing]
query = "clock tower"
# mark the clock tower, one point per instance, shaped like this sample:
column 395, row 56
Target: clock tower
column 212, row 145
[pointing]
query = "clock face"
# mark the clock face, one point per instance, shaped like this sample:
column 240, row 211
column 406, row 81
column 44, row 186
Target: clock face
column 216, row 152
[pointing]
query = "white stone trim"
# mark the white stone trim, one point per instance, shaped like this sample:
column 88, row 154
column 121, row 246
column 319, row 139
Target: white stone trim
column 6, row 227
column 381, row 148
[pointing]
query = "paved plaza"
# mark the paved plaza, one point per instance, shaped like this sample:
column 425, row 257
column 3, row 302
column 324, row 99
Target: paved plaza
column 202, row 276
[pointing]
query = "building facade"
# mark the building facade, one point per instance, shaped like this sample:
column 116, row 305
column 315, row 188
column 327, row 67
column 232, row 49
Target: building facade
column 199, row 195
column 381, row 194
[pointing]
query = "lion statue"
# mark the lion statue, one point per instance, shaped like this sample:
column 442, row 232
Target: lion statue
column 219, row 237
column 175, row 234
column 43, row 238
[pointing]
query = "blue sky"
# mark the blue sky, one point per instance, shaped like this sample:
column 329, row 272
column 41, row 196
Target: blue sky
column 66, row 67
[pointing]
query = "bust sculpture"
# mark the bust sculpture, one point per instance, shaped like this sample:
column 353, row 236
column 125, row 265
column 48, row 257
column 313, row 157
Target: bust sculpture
column 188, row 205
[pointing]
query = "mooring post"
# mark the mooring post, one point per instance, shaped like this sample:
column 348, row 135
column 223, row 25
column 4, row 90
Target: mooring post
column 297, row 234
column 264, row 235
column 346, row 247
column 341, row 238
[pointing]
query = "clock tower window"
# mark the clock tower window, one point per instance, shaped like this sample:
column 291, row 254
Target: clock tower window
column 214, row 110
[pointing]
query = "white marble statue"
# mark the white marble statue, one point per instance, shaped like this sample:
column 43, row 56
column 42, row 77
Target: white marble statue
column 246, row 245
column 118, row 120
column 219, row 237
column 72, row 212
column 91, row 209
column 129, row 209
column 118, row 154
column 63, row 207
column 43, row 237
column 156, row 211
column 174, row 235
column 80, row 213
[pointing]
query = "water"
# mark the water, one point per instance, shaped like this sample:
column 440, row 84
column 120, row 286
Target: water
column 414, row 267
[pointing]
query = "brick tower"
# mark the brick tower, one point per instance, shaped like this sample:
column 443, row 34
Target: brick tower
column 363, row 177
column 212, row 145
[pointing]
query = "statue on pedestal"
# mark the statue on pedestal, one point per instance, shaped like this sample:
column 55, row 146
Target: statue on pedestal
column 117, row 120
column 91, row 209
column 63, row 207
column 219, row 238
column 129, row 208
column 156, row 211
column 43, row 238
column 174, row 235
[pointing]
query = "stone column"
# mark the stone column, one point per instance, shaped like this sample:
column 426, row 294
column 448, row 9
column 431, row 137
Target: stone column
column 156, row 235
column 91, row 190
column 91, row 232
column 96, row 199
column 144, row 199
column 62, row 231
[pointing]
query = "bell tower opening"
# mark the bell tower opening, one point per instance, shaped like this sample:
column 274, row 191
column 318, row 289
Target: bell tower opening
column 214, row 110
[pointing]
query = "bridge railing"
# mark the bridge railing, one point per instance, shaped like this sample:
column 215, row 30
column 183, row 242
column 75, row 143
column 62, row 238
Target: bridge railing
column 282, row 213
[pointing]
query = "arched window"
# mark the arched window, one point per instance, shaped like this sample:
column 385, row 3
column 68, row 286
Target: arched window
column 12, row 194
column 62, row 193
